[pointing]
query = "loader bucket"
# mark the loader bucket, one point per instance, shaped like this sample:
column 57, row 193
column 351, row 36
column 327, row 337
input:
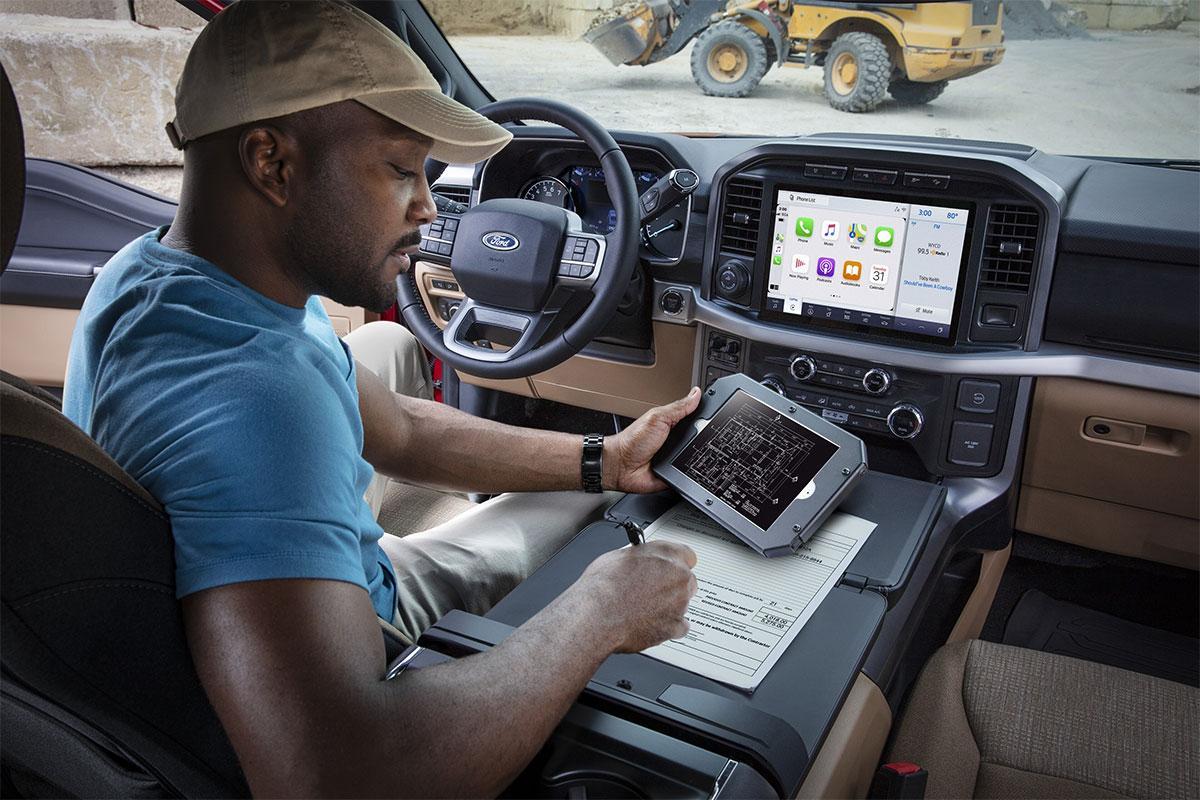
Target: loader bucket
column 626, row 39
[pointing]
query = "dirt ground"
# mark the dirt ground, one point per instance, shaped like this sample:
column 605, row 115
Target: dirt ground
column 1127, row 94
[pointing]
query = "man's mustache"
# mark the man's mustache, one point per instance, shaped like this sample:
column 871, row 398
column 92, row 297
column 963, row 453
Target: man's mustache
column 408, row 240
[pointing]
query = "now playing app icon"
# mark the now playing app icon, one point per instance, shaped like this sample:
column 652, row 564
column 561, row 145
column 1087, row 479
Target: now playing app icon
column 825, row 267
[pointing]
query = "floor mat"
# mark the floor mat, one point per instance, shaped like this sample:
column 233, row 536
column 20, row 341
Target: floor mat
column 1039, row 622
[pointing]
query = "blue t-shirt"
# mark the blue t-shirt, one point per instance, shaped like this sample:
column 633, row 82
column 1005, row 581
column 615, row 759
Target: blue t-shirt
column 240, row 414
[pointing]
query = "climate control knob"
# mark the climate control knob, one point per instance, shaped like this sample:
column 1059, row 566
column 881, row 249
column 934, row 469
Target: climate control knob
column 905, row 421
column 773, row 383
column 802, row 367
column 876, row 381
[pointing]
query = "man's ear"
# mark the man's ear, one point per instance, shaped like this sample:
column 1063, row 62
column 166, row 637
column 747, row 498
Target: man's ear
column 268, row 156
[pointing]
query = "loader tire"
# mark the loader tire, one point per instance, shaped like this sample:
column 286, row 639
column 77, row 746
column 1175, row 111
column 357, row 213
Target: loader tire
column 911, row 93
column 728, row 60
column 857, row 71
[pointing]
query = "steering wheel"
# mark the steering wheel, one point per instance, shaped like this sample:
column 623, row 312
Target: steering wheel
column 521, row 263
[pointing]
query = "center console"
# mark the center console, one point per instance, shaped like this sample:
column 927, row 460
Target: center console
column 876, row 291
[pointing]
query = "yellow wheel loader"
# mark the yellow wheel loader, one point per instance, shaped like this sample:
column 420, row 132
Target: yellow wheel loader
column 910, row 50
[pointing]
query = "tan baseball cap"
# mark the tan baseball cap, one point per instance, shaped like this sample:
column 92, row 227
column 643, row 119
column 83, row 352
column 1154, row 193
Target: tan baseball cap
column 258, row 60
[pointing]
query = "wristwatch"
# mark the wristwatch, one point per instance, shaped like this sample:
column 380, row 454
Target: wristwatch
column 592, row 465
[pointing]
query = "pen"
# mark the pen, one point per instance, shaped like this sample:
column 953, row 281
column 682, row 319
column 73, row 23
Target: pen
column 633, row 531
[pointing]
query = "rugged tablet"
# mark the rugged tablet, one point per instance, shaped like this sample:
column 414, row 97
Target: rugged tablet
column 762, row 466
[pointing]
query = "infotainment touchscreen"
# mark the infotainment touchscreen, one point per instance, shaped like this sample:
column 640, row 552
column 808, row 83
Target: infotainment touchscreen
column 884, row 264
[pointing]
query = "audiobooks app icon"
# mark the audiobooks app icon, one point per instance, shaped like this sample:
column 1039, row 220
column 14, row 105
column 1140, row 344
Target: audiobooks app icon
column 851, row 270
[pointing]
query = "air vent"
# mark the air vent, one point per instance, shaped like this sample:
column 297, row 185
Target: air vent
column 1009, row 248
column 739, row 224
column 459, row 194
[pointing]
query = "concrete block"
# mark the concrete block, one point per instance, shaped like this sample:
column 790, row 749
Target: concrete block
column 165, row 14
column 1137, row 15
column 94, row 93
column 1097, row 13
column 75, row 9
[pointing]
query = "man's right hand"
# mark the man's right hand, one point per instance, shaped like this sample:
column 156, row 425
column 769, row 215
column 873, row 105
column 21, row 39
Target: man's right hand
column 639, row 594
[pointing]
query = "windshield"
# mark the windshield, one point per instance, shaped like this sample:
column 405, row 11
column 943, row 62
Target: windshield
column 1070, row 79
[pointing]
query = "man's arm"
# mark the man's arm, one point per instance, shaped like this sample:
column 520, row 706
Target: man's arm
column 432, row 444
column 295, row 671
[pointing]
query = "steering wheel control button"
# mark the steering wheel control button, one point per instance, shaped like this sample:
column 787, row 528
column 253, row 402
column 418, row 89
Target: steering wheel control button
column 876, row 381
column 684, row 179
column 671, row 302
column 980, row 397
column 970, row 444
column 905, row 421
column 650, row 201
column 802, row 367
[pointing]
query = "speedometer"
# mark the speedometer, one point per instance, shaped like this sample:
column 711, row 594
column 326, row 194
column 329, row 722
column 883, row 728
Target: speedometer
column 551, row 191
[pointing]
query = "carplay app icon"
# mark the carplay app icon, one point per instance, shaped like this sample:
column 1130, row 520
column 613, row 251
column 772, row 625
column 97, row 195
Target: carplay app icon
column 799, row 265
column 852, row 270
column 826, row 266
column 804, row 227
column 857, row 232
column 884, row 237
column 830, row 230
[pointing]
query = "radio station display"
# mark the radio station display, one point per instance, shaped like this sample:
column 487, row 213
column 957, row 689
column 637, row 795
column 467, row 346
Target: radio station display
column 754, row 459
column 880, row 263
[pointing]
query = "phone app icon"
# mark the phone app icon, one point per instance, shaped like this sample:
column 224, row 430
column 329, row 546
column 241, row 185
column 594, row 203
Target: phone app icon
column 831, row 230
column 879, row 274
column 804, row 227
column 776, row 260
column 884, row 237
column 857, row 232
column 799, row 265
column 825, row 267
column 852, row 270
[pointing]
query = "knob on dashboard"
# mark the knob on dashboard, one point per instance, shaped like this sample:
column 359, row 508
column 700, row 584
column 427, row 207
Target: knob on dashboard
column 876, row 381
column 732, row 279
column 773, row 383
column 802, row 367
column 905, row 421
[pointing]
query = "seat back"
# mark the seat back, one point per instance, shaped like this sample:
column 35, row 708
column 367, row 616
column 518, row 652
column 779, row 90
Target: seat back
column 100, row 697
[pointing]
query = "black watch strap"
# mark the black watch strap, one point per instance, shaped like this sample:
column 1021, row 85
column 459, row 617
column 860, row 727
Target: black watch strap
column 592, row 465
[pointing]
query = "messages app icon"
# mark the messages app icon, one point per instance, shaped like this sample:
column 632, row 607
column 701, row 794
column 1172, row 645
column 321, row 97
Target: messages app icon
column 884, row 237
column 804, row 227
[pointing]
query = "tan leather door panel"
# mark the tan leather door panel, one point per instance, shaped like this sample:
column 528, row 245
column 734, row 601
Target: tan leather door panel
column 1114, row 468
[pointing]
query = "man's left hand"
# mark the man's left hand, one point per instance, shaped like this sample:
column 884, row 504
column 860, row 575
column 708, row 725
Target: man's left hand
column 627, row 455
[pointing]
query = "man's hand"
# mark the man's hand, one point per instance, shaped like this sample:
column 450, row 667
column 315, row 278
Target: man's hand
column 637, row 596
column 627, row 455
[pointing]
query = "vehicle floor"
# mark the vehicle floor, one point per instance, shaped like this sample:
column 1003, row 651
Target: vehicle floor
column 1080, row 602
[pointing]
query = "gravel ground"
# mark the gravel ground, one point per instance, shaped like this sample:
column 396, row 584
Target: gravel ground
column 1126, row 94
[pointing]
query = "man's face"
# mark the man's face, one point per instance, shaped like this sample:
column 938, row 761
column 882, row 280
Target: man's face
column 361, row 197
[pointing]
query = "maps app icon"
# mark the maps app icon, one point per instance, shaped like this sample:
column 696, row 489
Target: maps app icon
column 857, row 232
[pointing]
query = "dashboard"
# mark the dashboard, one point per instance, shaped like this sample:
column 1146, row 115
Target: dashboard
column 905, row 288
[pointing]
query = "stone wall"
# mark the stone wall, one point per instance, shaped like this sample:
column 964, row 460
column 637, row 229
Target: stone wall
column 1135, row 15
column 556, row 17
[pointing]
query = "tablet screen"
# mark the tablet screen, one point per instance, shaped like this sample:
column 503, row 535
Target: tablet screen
column 754, row 458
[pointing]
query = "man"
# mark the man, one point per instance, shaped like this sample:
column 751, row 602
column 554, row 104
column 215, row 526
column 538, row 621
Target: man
column 204, row 364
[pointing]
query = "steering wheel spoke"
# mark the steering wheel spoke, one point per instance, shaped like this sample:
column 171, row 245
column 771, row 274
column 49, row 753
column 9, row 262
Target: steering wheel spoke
column 523, row 265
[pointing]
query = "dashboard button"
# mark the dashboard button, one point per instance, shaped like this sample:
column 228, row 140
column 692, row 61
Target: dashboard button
column 918, row 180
column 980, row 397
column 970, row 444
column 998, row 316
column 882, row 177
column 830, row 171
column 905, row 421
column 671, row 302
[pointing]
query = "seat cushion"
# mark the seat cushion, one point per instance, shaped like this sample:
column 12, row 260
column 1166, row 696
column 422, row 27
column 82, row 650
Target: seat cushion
column 408, row 509
column 989, row 720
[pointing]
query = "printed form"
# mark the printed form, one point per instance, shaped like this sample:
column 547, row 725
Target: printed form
column 747, row 608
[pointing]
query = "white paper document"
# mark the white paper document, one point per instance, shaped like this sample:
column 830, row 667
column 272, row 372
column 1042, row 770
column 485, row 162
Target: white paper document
column 749, row 608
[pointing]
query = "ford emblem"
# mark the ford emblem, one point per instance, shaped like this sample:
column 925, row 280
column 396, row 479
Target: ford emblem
column 498, row 240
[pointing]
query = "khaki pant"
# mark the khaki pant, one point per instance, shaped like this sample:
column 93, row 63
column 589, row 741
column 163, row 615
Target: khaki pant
column 476, row 558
